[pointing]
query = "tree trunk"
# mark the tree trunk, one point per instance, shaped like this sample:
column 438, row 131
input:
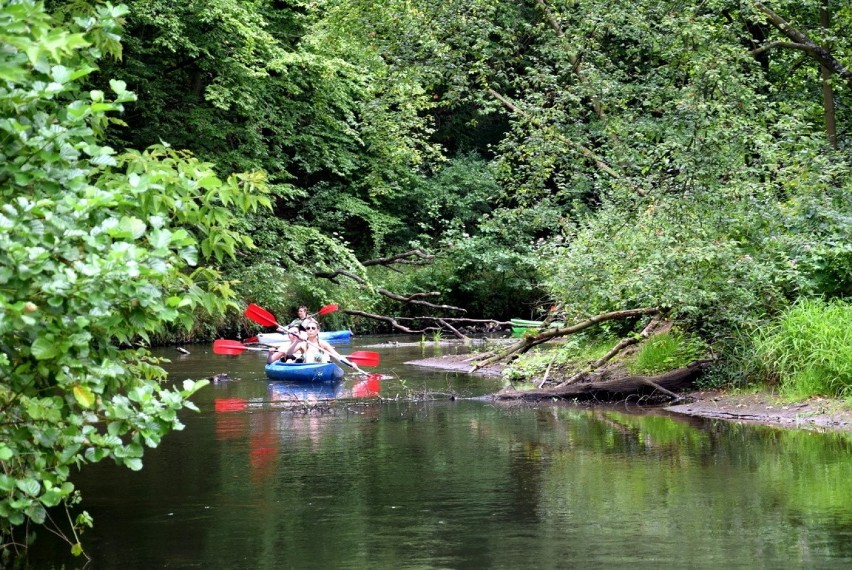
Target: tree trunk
column 615, row 390
column 827, row 92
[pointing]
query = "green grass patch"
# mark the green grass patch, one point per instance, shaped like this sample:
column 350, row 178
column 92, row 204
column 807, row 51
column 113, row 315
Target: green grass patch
column 808, row 350
column 667, row 351
column 576, row 352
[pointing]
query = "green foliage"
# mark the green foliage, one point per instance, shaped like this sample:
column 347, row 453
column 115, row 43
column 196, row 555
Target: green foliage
column 808, row 349
column 300, row 93
column 571, row 355
column 98, row 250
column 666, row 351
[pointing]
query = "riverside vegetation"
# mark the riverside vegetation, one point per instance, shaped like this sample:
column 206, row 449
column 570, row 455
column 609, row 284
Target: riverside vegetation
column 167, row 162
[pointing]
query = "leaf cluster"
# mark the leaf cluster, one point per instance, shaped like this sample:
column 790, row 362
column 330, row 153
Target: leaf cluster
column 99, row 249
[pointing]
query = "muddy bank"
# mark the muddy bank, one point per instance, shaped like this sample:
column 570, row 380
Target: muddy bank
column 767, row 409
column 755, row 408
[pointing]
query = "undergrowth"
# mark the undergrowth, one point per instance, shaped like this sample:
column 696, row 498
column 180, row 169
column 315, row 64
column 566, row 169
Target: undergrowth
column 574, row 353
column 808, row 350
column 666, row 351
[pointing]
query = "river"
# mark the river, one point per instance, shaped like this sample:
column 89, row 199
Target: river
column 262, row 478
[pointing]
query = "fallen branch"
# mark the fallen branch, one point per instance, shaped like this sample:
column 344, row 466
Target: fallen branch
column 617, row 389
column 617, row 349
column 394, row 322
column 529, row 342
column 444, row 322
column 420, row 258
column 455, row 331
column 413, row 299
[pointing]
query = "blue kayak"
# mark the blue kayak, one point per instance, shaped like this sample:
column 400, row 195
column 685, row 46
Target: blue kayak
column 336, row 336
column 304, row 371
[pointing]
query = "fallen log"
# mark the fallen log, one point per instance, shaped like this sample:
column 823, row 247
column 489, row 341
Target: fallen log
column 615, row 390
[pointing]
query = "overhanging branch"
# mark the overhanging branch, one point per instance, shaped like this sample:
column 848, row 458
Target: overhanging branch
column 816, row 51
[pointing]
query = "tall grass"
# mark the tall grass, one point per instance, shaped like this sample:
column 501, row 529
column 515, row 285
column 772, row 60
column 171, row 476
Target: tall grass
column 667, row 351
column 809, row 349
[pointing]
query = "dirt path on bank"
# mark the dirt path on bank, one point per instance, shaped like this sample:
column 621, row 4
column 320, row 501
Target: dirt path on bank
column 754, row 408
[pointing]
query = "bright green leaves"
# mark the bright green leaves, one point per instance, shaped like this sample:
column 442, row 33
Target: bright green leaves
column 97, row 249
column 44, row 348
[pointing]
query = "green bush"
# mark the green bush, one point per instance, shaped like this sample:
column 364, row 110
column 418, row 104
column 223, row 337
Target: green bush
column 99, row 251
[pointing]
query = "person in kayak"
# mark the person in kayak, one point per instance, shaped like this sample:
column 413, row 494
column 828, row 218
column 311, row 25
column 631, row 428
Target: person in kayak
column 292, row 350
column 302, row 313
column 318, row 350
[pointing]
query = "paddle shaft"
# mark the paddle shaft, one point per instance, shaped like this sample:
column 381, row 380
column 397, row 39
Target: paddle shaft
column 223, row 346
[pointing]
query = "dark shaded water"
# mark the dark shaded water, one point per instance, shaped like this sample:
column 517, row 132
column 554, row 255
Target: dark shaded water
column 251, row 483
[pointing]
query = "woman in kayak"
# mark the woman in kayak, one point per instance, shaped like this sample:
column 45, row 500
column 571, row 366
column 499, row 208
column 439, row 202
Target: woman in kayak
column 318, row 350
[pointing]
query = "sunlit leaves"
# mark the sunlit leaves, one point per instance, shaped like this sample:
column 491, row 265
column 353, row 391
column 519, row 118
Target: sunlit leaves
column 98, row 249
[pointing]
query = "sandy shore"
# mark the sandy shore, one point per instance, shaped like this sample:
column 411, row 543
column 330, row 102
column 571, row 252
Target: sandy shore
column 755, row 408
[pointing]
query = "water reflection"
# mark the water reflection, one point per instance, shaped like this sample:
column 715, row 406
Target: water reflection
column 255, row 483
column 304, row 391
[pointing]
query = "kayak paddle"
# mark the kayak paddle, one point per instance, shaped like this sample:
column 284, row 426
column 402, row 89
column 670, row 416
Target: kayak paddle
column 327, row 309
column 364, row 357
column 263, row 317
column 233, row 347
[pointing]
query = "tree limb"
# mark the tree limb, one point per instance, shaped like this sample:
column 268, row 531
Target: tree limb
column 620, row 388
column 413, row 300
column 789, row 45
column 629, row 341
column 817, row 52
column 529, row 342
column 390, row 320
column 419, row 258
column 332, row 275
column 455, row 331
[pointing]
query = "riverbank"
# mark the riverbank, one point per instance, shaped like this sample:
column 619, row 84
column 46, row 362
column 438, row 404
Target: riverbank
column 752, row 407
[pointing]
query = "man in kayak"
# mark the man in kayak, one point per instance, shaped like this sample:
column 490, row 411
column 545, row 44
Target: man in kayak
column 302, row 313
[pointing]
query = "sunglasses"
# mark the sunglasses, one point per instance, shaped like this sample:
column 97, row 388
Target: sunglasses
column 311, row 328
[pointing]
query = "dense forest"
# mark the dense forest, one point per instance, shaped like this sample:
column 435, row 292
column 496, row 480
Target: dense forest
column 166, row 163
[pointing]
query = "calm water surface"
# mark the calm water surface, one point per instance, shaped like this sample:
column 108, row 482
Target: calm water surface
column 257, row 481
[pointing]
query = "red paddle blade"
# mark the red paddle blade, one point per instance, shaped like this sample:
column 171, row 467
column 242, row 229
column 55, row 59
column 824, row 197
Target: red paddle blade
column 229, row 347
column 261, row 316
column 251, row 340
column 328, row 309
column 364, row 358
